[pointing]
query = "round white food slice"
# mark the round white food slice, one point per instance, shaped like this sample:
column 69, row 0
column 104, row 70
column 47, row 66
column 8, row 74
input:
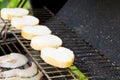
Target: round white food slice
column 13, row 60
column 38, row 76
column 9, row 13
column 28, row 32
column 60, row 57
column 28, row 20
column 4, row 13
column 40, row 42
column 29, row 72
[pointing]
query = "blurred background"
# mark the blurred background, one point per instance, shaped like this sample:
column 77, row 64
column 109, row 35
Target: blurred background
column 12, row 4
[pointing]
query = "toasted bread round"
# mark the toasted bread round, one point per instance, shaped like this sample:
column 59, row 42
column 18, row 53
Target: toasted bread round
column 40, row 42
column 28, row 20
column 59, row 57
column 9, row 13
column 28, row 32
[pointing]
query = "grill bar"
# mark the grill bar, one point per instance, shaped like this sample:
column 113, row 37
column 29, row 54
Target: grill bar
column 44, row 14
column 9, row 46
column 2, row 49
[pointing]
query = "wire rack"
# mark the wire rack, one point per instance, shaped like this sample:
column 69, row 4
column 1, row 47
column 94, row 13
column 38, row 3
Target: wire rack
column 87, row 59
column 51, row 72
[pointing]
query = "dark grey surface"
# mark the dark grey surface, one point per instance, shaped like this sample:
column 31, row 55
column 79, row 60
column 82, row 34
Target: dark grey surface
column 98, row 21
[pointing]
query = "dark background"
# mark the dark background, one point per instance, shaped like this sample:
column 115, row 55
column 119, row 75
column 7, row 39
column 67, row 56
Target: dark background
column 53, row 5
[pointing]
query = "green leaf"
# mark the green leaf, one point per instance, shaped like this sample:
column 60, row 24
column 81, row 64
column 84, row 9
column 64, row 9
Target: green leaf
column 12, row 3
column 3, row 3
column 1, row 0
column 78, row 73
column 27, row 5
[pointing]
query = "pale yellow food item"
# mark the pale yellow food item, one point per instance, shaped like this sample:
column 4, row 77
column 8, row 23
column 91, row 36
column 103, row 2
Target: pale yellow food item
column 28, row 32
column 9, row 13
column 40, row 42
column 13, row 60
column 28, row 20
column 59, row 57
column 29, row 72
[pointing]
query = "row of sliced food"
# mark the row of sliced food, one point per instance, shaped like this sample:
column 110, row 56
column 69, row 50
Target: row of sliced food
column 50, row 45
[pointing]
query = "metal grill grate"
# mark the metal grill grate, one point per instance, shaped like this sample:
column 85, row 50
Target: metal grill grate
column 52, row 73
column 42, row 14
column 88, row 60
column 11, row 45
